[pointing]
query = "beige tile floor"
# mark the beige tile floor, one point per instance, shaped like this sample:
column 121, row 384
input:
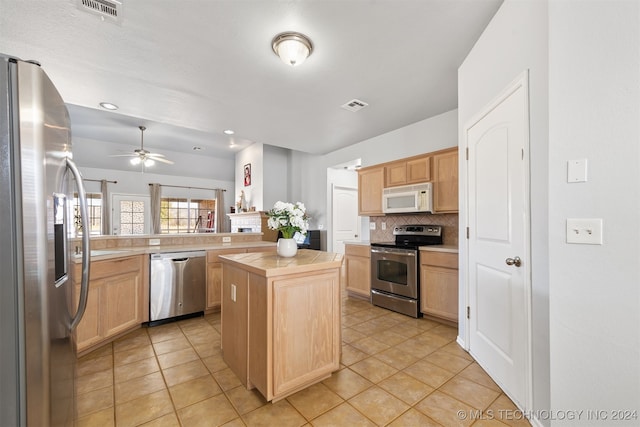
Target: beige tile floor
column 395, row 371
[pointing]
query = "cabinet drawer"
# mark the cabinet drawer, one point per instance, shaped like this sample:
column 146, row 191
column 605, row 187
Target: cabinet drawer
column 212, row 256
column 106, row 268
column 440, row 259
column 358, row 250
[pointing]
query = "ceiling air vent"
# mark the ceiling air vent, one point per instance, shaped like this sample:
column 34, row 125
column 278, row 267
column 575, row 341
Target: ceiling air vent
column 111, row 9
column 354, row 105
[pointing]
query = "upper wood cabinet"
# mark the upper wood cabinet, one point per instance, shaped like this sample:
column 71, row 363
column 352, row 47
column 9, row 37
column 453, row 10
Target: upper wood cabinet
column 370, row 185
column 445, row 179
column 408, row 171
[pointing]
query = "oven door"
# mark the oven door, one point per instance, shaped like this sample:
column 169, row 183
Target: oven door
column 395, row 271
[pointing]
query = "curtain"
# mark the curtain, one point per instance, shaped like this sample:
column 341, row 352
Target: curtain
column 221, row 219
column 106, row 208
column 155, row 190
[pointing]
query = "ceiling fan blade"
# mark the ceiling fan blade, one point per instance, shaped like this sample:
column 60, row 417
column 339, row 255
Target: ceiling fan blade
column 123, row 155
column 157, row 159
column 155, row 155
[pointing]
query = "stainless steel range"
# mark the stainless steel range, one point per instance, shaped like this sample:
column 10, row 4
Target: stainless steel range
column 395, row 278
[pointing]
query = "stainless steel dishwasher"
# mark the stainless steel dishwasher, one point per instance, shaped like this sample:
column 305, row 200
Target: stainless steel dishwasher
column 177, row 285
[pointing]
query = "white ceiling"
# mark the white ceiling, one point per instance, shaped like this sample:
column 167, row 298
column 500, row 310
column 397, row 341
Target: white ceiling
column 190, row 69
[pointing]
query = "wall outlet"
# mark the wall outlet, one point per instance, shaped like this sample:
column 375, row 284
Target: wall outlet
column 226, row 239
column 154, row 242
column 383, row 225
column 372, row 226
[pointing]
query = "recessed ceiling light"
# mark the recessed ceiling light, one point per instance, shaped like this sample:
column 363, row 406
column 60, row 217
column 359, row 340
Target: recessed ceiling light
column 229, row 132
column 108, row 106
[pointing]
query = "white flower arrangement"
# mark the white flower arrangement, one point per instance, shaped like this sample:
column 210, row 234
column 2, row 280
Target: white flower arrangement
column 288, row 218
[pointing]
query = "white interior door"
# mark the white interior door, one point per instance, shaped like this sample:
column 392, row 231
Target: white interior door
column 345, row 219
column 131, row 214
column 498, row 269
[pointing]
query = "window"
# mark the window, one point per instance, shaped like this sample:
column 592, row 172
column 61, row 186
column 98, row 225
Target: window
column 94, row 209
column 186, row 215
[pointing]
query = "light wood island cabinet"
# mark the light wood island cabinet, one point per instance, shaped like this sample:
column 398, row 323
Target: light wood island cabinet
column 118, row 295
column 214, row 273
column 358, row 269
column 439, row 284
column 281, row 319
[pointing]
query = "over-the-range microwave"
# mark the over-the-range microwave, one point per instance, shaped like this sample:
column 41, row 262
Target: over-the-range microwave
column 408, row 199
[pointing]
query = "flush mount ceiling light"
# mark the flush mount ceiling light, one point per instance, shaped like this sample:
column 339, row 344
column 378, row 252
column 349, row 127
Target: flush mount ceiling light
column 228, row 132
column 293, row 48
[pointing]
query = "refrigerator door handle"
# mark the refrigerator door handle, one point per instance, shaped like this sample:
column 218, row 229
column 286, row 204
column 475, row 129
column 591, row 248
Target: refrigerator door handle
column 86, row 251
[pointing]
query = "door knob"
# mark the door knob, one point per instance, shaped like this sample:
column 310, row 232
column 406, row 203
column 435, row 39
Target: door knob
column 514, row 261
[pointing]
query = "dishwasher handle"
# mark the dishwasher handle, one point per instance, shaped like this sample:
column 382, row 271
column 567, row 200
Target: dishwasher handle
column 179, row 259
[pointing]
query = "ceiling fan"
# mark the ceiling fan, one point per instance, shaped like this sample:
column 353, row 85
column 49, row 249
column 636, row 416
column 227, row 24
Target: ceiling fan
column 142, row 156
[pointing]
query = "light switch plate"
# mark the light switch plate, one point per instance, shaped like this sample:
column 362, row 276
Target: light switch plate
column 372, row 226
column 154, row 242
column 585, row 231
column 577, row 170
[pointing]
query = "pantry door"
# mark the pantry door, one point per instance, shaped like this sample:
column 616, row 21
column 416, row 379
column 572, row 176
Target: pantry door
column 499, row 299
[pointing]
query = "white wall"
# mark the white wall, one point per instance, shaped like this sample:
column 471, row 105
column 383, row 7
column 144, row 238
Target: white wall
column 253, row 154
column 138, row 183
column 431, row 134
column 276, row 175
column 594, row 113
column 516, row 40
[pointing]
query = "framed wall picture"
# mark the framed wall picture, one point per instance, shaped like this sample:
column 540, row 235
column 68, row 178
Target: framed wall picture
column 247, row 174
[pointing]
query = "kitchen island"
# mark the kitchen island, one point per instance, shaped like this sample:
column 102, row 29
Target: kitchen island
column 281, row 319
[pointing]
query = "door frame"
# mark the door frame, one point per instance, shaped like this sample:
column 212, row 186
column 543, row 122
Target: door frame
column 521, row 80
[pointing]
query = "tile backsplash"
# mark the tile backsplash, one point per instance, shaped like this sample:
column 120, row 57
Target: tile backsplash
column 449, row 222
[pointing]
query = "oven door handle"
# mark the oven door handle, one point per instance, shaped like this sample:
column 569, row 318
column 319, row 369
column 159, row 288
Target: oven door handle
column 394, row 252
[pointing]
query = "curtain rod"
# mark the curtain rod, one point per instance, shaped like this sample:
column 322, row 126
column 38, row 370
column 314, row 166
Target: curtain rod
column 190, row 188
column 99, row 180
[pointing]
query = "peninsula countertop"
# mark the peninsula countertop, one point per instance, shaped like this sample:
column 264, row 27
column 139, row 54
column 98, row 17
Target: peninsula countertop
column 269, row 264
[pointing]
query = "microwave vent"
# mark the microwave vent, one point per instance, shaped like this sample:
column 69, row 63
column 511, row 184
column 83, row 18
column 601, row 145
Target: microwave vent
column 354, row 105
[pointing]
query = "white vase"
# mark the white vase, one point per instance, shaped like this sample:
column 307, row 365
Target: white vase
column 286, row 247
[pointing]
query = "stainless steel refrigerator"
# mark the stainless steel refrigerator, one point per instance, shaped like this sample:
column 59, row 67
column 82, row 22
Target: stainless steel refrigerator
column 38, row 310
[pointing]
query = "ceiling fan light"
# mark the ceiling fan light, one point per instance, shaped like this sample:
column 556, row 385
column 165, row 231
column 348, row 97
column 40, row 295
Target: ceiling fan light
column 135, row 161
column 292, row 48
column 149, row 162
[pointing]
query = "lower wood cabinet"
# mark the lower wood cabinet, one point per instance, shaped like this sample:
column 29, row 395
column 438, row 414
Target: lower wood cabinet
column 439, row 284
column 358, row 269
column 118, row 296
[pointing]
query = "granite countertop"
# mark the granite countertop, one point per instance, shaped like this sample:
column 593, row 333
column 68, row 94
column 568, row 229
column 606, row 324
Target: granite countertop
column 111, row 253
column 268, row 264
column 440, row 248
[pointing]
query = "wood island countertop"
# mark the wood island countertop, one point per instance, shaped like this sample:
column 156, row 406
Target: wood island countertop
column 269, row 264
